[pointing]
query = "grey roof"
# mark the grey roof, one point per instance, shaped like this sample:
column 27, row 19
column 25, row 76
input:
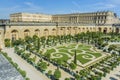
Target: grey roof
column 43, row 24
column 7, row 71
column 57, row 24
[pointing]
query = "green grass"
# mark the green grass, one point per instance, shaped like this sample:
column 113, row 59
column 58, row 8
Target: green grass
column 49, row 51
column 84, row 46
column 71, row 46
column 64, row 47
column 96, row 54
column 81, row 59
column 78, row 51
column 63, row 58
column 85, row 49
column 65, row 51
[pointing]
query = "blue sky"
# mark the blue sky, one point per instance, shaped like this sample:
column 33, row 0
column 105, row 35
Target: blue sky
column 57, row 6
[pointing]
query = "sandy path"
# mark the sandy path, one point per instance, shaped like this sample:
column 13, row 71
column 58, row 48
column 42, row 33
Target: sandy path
column 32, row 73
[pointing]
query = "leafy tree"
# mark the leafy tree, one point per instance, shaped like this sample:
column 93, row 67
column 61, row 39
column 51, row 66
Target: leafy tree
column 48, row 56
column 15, row 65
column 7, row 42
column 77, row 77
column 34, row 58
column 59, row 61
column 42, row 66
column 28, row 39
column 57, row 74
column 104, row 44
column 38, row 46
column 23, row 73
column 17, row 42
column 27, row 79
column 72, row 66
column 112, row 47
column 49, row 72
column 67, row 78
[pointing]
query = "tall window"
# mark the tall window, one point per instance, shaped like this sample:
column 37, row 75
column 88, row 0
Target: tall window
column 14, row 35
column 37, row 32
column 26, row 33
column 54, row 32
column 46, row 32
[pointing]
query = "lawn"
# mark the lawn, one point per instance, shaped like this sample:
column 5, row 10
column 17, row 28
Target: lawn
column 64, row 57
column 49, row 51
column 83, row 60
column 66, row 52
column 95, row 54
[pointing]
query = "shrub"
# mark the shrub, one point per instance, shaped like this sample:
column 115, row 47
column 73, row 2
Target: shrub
column 7, row 42
column 57, row 74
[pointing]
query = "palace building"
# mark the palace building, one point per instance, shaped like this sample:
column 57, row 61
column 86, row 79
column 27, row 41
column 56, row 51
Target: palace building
column 21, row 25
column 98, row 18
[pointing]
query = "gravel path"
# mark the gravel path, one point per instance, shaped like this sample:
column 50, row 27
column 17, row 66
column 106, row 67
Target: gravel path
column 32, row 73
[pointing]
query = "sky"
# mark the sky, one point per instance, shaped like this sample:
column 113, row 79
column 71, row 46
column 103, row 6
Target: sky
column 8, row 7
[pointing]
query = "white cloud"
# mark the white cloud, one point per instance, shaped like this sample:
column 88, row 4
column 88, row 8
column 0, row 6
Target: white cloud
column 32, row 6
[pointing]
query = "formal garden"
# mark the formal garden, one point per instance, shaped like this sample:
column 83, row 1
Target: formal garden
column 84, row 53
column 70, row 57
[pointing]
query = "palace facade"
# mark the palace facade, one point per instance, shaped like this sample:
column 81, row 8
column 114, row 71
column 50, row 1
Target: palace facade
column 21, row 25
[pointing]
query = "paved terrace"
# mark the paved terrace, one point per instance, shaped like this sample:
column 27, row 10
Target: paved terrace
column 7, row 71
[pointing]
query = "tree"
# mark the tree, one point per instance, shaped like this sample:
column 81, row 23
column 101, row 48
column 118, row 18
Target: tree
column 28, row 39
column 23, row 73
column 49, row 73
column 42, row 66
column 48, row 56
column 38, row 46
column 7, row 42
column 67, row 78
column 57, row 74
column 104, row 44
column 112, row 47
column 27, row 79
column 59, row 61
column 72, row 66
column 75, row 58
column 17, row 42
column 77, row 77
column 34, row 58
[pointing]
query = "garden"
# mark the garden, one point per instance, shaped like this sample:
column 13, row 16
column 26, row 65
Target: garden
column 79, row 57
column 85, row 53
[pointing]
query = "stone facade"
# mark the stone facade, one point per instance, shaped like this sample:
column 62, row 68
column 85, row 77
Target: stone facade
column 97, row 18
column 54, row 25
column 30, row 17
column 20, row 30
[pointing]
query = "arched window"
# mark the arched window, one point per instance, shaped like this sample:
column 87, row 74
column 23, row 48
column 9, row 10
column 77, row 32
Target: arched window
column 46, row 32
column 37, row 32
column 117, row 30
column 54, row 32
column 105, row 30
column 14, row 35
column 26, row 32
column 99, row 29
